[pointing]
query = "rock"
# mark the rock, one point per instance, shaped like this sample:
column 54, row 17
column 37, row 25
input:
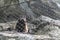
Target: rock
column 21, row 36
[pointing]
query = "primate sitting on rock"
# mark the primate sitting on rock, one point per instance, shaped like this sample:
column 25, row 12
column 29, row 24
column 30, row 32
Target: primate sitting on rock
column 22, row 25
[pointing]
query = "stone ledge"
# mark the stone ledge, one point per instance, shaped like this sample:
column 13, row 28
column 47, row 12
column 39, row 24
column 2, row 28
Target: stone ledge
column 23, row 36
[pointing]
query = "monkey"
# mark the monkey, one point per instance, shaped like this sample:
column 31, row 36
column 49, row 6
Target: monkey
column 21, row 25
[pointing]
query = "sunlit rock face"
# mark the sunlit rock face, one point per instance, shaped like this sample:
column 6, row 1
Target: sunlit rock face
column 31, row 8
column 20, row 1
column 44, row 9
column 1, row 3
column 55, row 4
column 51, row 3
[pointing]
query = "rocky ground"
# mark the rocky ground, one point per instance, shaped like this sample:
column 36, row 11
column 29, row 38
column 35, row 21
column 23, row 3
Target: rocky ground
column 46, row 27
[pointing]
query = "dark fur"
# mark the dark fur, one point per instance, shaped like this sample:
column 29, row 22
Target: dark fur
column 20, row 25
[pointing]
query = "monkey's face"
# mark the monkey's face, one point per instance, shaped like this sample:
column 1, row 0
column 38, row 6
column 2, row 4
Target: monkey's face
column 23, row 19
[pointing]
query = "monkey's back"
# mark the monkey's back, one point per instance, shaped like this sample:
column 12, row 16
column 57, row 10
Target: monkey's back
column 20, row 25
